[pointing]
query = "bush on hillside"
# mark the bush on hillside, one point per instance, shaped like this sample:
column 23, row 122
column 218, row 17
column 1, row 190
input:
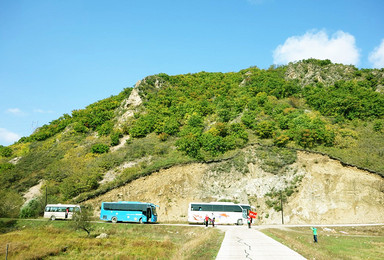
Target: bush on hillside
column 5, row 151
column 100, row 148
column 10, row 203
column 33, row 209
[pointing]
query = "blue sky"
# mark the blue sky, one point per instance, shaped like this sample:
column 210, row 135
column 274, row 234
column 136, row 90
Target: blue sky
column 57, row 56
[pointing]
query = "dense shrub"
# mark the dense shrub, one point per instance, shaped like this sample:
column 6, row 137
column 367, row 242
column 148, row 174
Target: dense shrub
column 115, row 138
column 190, row 144
column 265, row 129
column 378, row 125
column 346, row 98
column 5, row 151
column 80, row 128
column 10, row 203
column 33, row 209
column 100, row 148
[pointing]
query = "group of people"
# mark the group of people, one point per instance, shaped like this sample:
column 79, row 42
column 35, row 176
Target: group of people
column 211, row 220
column 249, row 221
column 208, row 219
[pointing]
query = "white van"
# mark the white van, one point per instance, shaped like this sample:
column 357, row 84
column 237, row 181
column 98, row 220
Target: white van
column 60, row 211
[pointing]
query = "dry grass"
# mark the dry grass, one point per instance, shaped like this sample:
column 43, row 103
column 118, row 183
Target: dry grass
column 55, row 240
column 202, row 245
column 334, row 242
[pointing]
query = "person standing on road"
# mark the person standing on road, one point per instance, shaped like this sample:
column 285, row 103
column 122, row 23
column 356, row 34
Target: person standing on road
column 213, row 220
column 314, row 230
column 206, row 220
column 249, row 220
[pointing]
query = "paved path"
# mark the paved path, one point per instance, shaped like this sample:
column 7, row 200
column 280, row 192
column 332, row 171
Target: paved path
column 240, row 242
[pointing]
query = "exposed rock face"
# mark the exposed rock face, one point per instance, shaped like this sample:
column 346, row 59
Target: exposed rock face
column 134, row 99
column 172, row 189
column 33, row 192
column 328, row 193
column 311, row 73
column 129, row 105
column 332, row 193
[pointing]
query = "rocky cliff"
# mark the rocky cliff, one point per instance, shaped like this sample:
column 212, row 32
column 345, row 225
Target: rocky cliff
column 316, row 189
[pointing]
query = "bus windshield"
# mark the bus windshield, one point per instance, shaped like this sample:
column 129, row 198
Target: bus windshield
column 154, row 211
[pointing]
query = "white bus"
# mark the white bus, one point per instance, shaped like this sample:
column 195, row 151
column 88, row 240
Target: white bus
column 60, row 211
column 223, row 212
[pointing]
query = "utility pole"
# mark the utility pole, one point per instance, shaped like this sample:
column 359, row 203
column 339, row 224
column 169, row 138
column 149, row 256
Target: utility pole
column 46, row 195
column 282, row 209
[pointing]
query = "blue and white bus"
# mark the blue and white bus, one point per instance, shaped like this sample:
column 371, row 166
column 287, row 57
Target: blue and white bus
column 128, row 211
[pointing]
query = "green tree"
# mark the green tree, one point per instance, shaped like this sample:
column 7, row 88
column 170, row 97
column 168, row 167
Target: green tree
column 265, row 129
column 81, row 220
column 189, row 144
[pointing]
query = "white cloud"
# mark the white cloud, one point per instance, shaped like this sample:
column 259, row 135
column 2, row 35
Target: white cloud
column 339, row 48
column 15, row 111
column 42, row 111
column 376, row 57
column 8, row 137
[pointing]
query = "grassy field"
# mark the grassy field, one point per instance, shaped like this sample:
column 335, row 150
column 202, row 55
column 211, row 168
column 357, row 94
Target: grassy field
column 333, row 242
column 29, row 239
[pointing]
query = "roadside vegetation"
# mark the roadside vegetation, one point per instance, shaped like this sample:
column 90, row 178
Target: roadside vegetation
column 28, row 239
column 366, row 242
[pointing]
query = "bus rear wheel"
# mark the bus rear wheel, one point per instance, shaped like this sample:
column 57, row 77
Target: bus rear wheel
column 141, row 221
column 239, row 222
column 114, row 219
column 52, row 217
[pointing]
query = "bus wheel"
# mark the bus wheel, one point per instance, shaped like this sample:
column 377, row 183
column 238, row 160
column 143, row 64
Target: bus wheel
column 141, row 221
column 239, row 222
column 114, row 220
column 52, row 217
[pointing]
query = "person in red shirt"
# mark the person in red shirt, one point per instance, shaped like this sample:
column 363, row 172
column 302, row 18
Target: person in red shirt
column 249, row 220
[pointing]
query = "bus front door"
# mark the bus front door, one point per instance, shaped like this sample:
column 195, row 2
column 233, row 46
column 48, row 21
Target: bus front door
column 245, row 213
column 149, row 215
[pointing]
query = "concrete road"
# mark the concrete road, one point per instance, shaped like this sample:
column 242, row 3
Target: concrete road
column 240, row 242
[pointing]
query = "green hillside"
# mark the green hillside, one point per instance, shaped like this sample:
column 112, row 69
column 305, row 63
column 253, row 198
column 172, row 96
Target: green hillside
column 312, row 104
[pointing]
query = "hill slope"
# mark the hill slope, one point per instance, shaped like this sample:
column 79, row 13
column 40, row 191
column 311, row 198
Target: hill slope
column 204, row 117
